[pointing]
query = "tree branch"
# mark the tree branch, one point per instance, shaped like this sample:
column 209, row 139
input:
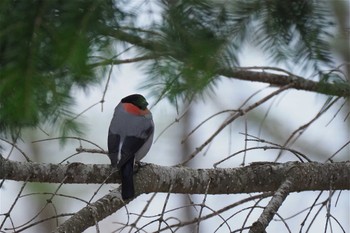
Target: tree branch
column 95, row 212
column 336, row 89
column 105, row 62
column 255, row 178
column 258, row 177
column 272, row 208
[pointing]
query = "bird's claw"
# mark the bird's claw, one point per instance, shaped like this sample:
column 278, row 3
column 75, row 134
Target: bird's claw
column 138, row 165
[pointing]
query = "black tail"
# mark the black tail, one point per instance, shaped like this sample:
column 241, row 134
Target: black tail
column 127, row 180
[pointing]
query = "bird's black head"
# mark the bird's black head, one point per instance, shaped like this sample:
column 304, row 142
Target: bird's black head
column 137, row 100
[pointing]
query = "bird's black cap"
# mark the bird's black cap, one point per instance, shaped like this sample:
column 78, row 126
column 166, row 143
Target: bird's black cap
column 136, row 99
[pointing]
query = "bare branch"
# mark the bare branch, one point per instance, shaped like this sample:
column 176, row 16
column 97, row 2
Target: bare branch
column 233, row 117
column 297, row 133
column 154, row 178
column 93, row 213
column 272, row 208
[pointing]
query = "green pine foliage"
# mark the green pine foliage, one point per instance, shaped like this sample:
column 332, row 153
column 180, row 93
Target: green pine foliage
column 45, row 48
column 288, row 31
column 197, row 38
column 194, row 37
column 50, row 47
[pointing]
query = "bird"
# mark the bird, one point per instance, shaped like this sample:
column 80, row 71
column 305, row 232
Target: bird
column 130, row 137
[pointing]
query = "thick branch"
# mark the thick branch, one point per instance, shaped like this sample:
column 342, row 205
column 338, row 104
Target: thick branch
column 56, row 173
column 260, row 177
column 254, row 178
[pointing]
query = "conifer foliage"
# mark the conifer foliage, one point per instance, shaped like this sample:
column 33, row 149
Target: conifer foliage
column 49, row 48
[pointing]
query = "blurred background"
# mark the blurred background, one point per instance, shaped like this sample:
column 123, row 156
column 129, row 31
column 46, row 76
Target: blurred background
column 175, row 117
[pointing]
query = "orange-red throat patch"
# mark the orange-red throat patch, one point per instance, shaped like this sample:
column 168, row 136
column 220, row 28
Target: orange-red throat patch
column 132, row 109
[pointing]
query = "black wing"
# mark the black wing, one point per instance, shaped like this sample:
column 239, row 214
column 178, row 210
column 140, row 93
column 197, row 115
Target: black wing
column 113, row 147
column 130, row 146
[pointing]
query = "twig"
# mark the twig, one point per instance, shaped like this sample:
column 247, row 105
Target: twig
column 272, row 207
column 234, row 117
column 161, row 218
column 202, row 205
column 175, row 121
column 84, row 111
column 94, row 151
column 308, row 214
column 8, row 213
column 123, row 61
column 323, row 204
column 215, row 213
column 75, row 138
column 15, row 146
column 296, row 153
column 48, row 201
column 337, row 112
column 340, row 149
column 106, row 86
column 56, row 194
column 143, row 211
column 204, row 121
column 251, row 211
column 302, row 128
column 42, row 220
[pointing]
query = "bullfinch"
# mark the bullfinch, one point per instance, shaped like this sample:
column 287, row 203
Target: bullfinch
column 130, row 137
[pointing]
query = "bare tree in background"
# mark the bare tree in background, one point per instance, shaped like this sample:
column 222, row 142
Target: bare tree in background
column 185, row 49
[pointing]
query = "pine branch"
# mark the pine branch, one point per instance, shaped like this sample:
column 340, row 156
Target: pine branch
column 336, row 89
column 300, row 83
column 122, row 61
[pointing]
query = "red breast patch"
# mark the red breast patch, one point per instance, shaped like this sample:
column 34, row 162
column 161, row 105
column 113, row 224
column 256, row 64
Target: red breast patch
column 132, row 109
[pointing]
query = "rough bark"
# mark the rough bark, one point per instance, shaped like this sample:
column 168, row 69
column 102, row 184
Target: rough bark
column 257, row 177
column 271, row 209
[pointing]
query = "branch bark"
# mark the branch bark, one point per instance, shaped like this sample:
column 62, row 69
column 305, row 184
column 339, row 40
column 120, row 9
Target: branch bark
column 258, row 177
column 271, row 209
column 299, row 83
column 93, row 213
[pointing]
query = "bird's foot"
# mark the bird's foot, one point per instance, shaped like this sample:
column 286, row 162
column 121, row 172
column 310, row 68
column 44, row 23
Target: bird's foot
column 138, row 165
